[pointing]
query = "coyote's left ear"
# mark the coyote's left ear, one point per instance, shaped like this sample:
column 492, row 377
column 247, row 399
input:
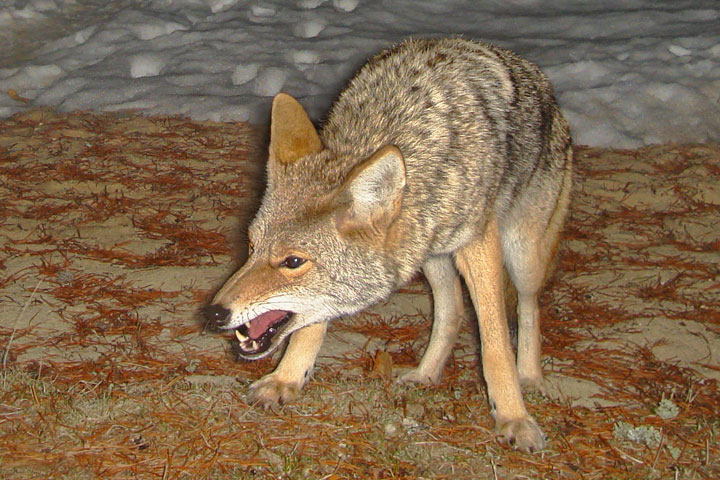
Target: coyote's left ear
column 374, row 190
column 292, row 134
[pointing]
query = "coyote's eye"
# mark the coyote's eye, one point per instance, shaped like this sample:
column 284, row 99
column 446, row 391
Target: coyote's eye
column 292, row 262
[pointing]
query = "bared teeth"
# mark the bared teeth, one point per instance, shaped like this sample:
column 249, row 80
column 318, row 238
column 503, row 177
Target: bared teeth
column 246, row 342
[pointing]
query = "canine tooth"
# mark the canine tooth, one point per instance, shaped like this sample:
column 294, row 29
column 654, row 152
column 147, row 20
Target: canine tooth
column 240, row 336
column 255, row 345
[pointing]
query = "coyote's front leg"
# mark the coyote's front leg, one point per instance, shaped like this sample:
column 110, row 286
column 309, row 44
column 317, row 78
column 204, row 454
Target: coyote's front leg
column 448, row 309
column 292, row 373
column 480, row 263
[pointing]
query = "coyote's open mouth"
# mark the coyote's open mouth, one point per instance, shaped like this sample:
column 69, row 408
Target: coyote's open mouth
column 255, row 336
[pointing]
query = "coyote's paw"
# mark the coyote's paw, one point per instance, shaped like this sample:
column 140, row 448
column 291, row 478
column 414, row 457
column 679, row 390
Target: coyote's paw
column 417, row 376
column 533, row 385
column 271, row 391
column 522, row 434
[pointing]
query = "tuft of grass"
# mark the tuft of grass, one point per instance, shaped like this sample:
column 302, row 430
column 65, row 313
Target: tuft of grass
column 642, row 434
column 667, row 409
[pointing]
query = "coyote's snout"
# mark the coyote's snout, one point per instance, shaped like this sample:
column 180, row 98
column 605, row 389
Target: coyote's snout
column 446, row 155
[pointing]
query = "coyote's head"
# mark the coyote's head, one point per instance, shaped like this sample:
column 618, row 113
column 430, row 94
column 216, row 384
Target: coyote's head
column 319, row 240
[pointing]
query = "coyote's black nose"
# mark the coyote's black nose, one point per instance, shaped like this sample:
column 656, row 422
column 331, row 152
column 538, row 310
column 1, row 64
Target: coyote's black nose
column 216, row 315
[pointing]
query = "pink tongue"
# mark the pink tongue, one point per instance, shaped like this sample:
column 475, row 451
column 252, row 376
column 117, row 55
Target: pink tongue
column 261, row 323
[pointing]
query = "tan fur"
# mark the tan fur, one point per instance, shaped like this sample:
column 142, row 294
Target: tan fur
column 445, row 155
column 293, row 371
column 480, row 263
column 295, row 136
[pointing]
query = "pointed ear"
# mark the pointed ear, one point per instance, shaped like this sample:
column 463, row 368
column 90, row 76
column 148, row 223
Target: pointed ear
column 374, row 190
column 292, row 134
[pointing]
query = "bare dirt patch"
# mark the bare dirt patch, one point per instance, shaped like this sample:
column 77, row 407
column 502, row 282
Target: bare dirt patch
column 115, row 230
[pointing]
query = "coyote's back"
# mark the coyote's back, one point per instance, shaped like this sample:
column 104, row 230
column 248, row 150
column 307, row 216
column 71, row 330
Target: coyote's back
column 476, row 124
column 445, row 155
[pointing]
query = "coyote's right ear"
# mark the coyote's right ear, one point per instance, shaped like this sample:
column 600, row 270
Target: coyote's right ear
column 374, row 190
column 292, row 134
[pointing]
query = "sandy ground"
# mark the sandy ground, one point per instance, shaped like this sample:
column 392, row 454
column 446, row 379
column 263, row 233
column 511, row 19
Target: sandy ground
column 116, row 230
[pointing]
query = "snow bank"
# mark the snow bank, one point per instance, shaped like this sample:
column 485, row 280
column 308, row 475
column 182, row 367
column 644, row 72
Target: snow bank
column 626, row 73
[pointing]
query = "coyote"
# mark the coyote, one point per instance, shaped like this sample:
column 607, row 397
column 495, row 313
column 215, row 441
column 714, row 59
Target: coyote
column 446, row 155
